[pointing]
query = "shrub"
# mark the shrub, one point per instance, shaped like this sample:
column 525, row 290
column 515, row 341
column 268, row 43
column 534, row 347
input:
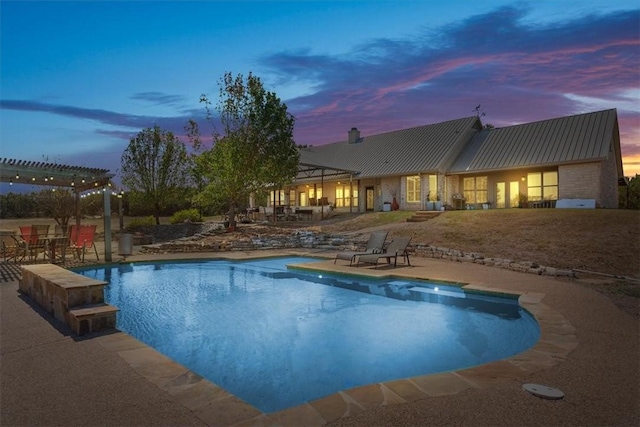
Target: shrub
column 144, row 221
column 191, row 215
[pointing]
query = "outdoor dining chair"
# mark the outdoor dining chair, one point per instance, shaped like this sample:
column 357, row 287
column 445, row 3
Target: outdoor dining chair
column 81, row 239
column 11, row 249
column 33, row 243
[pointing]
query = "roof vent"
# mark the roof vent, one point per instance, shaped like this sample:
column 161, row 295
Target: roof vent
column 354, row 136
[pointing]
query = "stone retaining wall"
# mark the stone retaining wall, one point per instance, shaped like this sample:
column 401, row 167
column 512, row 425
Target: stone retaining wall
column 322, row 241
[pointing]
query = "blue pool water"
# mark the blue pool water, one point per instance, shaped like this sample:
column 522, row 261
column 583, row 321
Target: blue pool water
column 278, row 337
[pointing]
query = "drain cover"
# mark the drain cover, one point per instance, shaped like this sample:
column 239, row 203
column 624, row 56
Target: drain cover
column 543, row 391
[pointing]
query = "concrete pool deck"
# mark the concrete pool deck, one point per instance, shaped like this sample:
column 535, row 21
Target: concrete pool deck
column 589, row 349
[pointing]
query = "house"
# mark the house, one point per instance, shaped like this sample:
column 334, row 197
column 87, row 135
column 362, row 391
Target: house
column 459, row 163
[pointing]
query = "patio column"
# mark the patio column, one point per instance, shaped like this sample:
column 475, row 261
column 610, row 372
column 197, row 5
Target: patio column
column 106, row 197
column 350, row 201
column 322, row 188
column 77, row 209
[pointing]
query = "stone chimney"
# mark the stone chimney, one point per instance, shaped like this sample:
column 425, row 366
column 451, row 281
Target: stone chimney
column 354, row 136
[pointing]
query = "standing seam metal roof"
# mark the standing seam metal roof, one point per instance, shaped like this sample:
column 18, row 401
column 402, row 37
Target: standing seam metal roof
column 429, row 148
column 584, row 137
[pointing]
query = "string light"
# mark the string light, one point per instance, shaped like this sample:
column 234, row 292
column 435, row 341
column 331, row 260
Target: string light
column 10, row 182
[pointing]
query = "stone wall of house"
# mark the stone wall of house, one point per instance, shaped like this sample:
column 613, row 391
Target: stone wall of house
column 388, row 186
column 580, row 181
column 609, row 182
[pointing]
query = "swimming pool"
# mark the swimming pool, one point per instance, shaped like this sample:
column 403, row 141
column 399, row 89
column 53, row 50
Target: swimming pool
column 277, row 337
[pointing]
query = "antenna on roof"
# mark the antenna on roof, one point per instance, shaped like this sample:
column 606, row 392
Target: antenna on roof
column 479, row 111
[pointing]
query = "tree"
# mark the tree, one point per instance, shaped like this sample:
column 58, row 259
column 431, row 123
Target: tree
column 255, row 150
column 156, row 165
column 629, row 196
column 58, row 203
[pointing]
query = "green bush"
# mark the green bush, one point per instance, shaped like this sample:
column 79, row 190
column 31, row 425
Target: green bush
column 191, row 215
column 141, row 222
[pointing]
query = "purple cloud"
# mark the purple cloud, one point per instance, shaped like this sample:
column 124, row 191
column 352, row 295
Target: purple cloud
column 518, row 71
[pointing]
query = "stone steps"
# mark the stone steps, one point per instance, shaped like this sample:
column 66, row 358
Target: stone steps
column 421, row 216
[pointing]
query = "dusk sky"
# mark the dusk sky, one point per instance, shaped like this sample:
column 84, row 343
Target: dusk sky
column 80, row 78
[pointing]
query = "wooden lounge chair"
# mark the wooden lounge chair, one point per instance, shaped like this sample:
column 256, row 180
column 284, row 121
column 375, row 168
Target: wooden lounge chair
column 375, row 244
column 397, row 247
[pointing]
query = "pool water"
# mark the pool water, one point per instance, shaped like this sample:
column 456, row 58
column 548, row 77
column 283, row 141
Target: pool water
column 278, row 337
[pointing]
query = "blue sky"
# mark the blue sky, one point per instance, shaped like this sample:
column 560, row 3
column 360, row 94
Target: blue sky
column 78, row 79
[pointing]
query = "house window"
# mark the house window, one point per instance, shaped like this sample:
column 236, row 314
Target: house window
column 343, row 197
column 314, row 196
column 542, row 185
column 276, row 198
column 413, row 189
column 292, row 197
column 475, row 189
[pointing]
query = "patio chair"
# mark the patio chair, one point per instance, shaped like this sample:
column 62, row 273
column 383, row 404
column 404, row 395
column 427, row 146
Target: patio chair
column 41, row 230
column 11, row 249
column 81, row 239
column 32, row 242
column 397, row 247
column 375, row 244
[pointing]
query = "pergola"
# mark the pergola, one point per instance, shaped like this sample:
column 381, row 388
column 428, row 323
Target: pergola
column 78, row 178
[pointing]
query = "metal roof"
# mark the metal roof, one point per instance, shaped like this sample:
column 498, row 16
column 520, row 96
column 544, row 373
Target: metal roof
column 52, row 174
column 429, row 148
column 573, row 139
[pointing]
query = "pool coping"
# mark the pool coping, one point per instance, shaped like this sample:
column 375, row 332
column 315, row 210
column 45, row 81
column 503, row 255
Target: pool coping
column 216, row 406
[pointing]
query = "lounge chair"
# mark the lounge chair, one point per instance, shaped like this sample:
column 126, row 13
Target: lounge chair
column 397, row 247
column 375, row 244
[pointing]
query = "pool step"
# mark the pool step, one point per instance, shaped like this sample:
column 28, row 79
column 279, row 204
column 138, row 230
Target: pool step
column 92, row 318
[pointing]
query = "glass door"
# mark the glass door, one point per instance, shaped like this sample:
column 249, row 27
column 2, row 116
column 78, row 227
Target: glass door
column 369, row 201
column 514, row 192
column 501, row 195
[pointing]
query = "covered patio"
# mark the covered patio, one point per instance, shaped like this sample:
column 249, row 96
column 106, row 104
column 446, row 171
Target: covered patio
column 77, row 178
